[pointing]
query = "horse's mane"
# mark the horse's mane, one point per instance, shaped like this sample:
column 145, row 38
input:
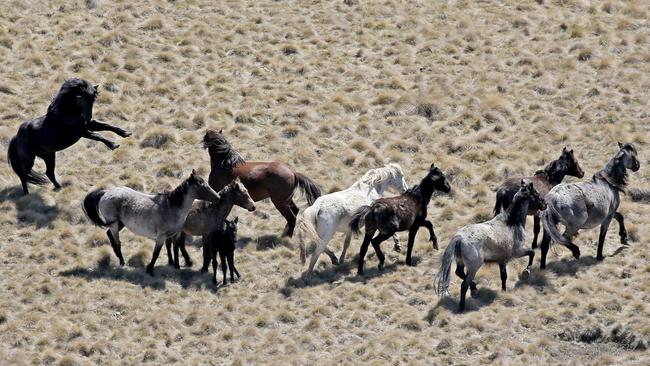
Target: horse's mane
column 64, row 101
column 421, row 192
column 516, row 214
column 377, row 175
column 221, row 152
column 177, row 195
column 554, row 171
column 614, row 173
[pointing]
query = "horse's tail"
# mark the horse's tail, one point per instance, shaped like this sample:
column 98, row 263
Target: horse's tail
column 498, row 205
column 308, row 187
column 14, row 160
column 357, row 217
column 307, row 225
column 91, row 207
column 549, row 218
column 441, row 281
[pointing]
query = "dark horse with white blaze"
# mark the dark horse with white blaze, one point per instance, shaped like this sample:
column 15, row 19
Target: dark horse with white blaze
column 543, row 180
column 69, row 118
column 405, row 212
column 586, row 205
column 274, row 180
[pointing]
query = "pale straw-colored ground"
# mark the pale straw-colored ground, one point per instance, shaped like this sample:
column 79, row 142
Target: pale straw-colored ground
column 483, row 89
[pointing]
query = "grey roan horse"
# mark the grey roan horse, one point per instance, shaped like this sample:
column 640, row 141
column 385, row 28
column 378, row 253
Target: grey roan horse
column 156, row 216
column 495, row 241
column 588, row 204
column 69, row 118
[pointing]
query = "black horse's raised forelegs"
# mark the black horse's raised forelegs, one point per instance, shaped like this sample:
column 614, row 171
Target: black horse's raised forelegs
column 93, row 136
column 96, row 125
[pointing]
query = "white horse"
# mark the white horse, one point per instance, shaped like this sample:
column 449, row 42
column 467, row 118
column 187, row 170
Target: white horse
column 331, row 213
column 155, row 216
column 586, row 205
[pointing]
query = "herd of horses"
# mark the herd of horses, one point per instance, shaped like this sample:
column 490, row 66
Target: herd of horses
column 197, row 207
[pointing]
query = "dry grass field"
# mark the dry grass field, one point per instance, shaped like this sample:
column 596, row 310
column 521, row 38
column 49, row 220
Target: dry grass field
column 485, row 89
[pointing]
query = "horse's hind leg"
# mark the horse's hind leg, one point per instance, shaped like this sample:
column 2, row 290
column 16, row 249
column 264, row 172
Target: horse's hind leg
column 376, row 241
column 346, row 245
column 180, row 244
column 504, row 275
column 50, row 164
column 469, row 279
column 113, row 234
column 460, row 272
column 396, row 245
column 536, row 227
column 170, row 256
column 285, row 209
column 622, row 233
column 231, row 266
column 546, row 243
column 364, row 248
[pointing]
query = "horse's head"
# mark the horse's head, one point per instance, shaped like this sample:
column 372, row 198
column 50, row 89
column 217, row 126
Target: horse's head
column 76, row 97
column 627, row 155
column 241, row 196
column 528, row 192
column 397, row 180
column 200, row 188
column 439, row 180
column 231, row 229
column 571, row 163
column 214, row 138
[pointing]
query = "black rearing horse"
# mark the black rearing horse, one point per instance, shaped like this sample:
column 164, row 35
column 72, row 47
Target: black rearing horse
column 69, row 118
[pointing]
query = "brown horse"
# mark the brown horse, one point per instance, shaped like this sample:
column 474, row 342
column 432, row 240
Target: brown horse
column 405, row 212
column 543, row 181
column 274, row 180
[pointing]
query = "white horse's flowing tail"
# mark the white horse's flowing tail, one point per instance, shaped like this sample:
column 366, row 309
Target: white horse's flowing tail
column 441, row 281
column 549, row 218
column 307, row 225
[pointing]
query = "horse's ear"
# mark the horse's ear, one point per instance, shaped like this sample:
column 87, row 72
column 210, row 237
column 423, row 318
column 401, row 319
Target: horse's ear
column 221, row 131
column 620, row 146
column 236, row 219
column 96, row 86
column 564, row 149
column 571, row 151
column 193, row 173
column 523, row 183
column 237, row 180
column 433, row 165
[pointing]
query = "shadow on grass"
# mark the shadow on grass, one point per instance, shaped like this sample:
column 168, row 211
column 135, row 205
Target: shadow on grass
column 31, row 209
column 571, row 266
column 135, row 273
column 484, row 298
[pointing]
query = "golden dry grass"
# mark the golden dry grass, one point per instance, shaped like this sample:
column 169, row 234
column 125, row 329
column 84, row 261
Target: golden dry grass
column 485, row 90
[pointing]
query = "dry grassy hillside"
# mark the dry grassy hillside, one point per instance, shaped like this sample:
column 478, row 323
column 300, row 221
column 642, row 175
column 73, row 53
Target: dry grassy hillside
column 486, row 90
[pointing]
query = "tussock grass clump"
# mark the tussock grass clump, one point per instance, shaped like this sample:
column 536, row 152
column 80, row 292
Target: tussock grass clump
column 153, row 23
column 158, row 138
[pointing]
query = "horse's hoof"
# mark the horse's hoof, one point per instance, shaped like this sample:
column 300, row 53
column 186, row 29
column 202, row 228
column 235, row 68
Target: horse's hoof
column 380, row 266
column 625, row 241
column 114, row 146
column 188, row 264
column 599, row 258
column 150, row 271
column 203, row 270
column 473, row 293
column 525, row 274
column 445, row 294
column 397, row 248
column 335, row 261
column 576, row 254
column 360, row 272
column 127, row 134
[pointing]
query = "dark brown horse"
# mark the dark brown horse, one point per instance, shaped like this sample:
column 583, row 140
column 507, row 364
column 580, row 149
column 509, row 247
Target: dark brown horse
column 274, row 180
column 543, row 181
column 405, row 212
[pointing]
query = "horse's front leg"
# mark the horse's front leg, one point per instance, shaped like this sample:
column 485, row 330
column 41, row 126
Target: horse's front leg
column 160, row 241
column 504, row 275
column 170, row 257
column 96, row 125
column 521, row 252
column 536, row 227
column 93, row 136
column 601, row 238
column 432, row 235
column 622, row 233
